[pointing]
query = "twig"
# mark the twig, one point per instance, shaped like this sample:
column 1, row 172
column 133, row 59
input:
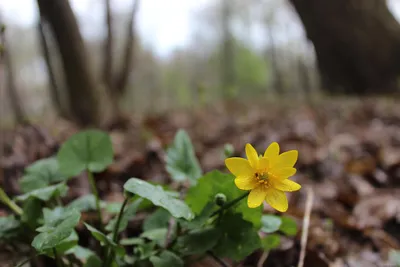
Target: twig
column 306, row 225
column 262, row 259
column 217, row 259
column 171, row 224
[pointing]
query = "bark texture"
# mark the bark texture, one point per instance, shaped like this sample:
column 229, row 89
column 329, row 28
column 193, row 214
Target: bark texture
column 81, row 87
column 357, row 44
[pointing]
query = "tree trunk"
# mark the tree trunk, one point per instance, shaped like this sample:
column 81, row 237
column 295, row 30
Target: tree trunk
column 80, row 80
column 227, row 51
column 15, row 100
column 108, row 48
column 272, row 55
column 121, row 80
column 54, row 86
column 357, row 43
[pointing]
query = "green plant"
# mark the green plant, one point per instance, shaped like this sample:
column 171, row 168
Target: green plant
column 210, row 218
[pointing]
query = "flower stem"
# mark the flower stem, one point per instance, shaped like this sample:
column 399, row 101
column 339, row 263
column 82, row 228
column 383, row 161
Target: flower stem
column 229, row 204
column 96, row 195
column 58, row 259
column 6, row 200
column 111, row 254
column 121, row 213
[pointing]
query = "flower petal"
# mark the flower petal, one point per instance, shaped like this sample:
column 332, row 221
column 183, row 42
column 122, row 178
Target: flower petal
column 256, row 196
column 272, row 152
column 263, row 164
column 239, row 166
column 246, row 182
column 277, row 199
column 286, row 185
column 282, row 174
column 286, row 159
column 252, row 156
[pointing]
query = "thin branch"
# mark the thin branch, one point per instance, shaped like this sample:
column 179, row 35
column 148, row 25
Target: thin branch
column 123, row 75
column 54, row 89
column 263, row 258
column 108, row 47
column 306, row 225
column 11, row 86
column 220, row 261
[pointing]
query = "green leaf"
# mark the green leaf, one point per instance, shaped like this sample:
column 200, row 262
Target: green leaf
column 155, row 234
column 113, row 207
column 90, row 149
column 93, row 261
column 159, row 197
column 105, row 240
column 198, row 241
column 131, row 241
column 40, row 174
column 201, row 219
column 32, row 181
column 288, row 226
column 129, row 212
column 86, row 203
column 46, row 193
column 32, row 211
column 65, row 245
column 181, row 161
column 394, row 257
column 56, row 229
column 239, row 238
column 271, row 241
column 159, row 219
column 166, row 259
column 80, row 253
column 216, row 182
column 9, row 227
column 270, row 223
column 99, row 236
column 146, row 250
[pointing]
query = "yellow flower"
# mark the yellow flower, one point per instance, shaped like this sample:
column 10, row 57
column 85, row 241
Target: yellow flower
column 266, row 176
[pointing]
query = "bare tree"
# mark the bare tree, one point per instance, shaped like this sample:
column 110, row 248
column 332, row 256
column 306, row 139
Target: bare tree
column 116, row 81
column 272, row 55
column 357, row 43
column 227, row 49
column 11, row 87
column 54, row 86
column 122, row 76
column 81, row 87
column 108, row 47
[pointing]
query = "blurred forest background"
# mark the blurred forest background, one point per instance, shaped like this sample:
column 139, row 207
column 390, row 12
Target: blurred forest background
column 87, row 60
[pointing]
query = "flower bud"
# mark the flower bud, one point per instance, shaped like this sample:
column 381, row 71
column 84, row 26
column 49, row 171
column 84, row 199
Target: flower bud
column 220, row 199
column 228, row 150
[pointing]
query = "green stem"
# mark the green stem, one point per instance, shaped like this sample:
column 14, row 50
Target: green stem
column 121, row 213
column 6, row 200
column 58, row 259
column 229, row 204
column 96, row 195
column 111, row 253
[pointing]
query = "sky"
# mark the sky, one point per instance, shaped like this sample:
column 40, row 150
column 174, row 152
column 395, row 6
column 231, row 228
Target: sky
column 165, row 24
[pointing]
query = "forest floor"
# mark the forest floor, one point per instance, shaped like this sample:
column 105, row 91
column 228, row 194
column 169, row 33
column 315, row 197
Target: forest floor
column 349, row 160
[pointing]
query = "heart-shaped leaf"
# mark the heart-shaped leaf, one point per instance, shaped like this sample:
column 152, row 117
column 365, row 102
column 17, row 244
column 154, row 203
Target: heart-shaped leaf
column 90, row 149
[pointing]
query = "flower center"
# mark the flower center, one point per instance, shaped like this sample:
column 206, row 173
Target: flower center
column 262, row 177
